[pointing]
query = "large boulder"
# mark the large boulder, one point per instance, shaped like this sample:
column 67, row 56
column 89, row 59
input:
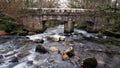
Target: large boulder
column 41, row 49
column 90, row 62
column 56, row 38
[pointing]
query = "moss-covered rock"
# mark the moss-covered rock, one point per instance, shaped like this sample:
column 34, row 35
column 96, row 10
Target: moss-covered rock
column 39, row 41
column 90, row 62
column 41, row 49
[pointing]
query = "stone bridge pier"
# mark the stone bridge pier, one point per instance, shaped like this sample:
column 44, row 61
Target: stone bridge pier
column 68, row 26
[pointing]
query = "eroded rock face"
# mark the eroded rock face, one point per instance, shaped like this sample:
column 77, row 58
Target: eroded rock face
column 89, row 63
column 41, row 49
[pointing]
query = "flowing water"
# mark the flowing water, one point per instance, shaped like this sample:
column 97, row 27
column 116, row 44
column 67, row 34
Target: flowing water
column 108, row 56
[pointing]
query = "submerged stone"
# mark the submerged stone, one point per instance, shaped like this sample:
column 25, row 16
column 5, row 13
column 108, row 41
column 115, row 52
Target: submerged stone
column 14, row 59
column 50, row 60
column 1, row 59
column 29, row 63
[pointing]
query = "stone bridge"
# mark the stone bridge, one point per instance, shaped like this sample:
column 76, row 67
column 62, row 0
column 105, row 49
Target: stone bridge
column 68, row 15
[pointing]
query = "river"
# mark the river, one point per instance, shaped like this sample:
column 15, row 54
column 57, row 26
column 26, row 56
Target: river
column 19, row 51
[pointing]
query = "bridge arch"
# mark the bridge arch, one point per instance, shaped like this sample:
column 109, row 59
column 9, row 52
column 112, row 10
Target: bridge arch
column 68, row 24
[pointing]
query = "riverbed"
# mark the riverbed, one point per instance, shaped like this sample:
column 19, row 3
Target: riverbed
column 19, row 51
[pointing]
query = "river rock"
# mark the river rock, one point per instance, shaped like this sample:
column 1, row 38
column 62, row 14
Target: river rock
column 41, row 49
column 62, row 38
column 39, row 41
column 14, row 59
column 56, row 38
column 22, row 54
column 65, row 56
column 70, row 51
column 1, row 59
column 89, row 63
column 29, row 63
column 54, row 49
column 3, row 33
column 50, row 60
column 31, row 33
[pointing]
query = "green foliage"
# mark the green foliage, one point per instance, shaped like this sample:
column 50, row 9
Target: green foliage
column 26, row 3
column 7, row 25
column 38, row 30
column 12, row 27
column 81, row 25
column 26, row 11
column 39, row 10
column 19, row 31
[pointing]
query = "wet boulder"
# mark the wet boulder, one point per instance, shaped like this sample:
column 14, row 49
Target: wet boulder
column 89, row 63
column 53, row 49
column 65, row 56
column 41, row 49
column 62, row 38
column 29, row 63
column 70, row 51
column 56, row 38
column 39, row 41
